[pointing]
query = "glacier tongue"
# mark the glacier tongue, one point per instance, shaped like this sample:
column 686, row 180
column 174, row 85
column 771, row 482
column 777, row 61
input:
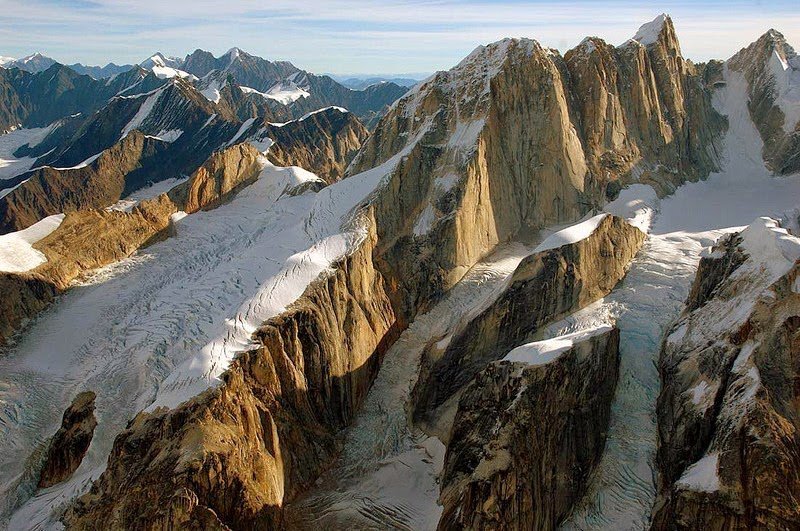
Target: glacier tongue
column 653, row 294
column 140, row 339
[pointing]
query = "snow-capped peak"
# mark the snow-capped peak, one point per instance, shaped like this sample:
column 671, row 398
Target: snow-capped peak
column 32, row 57
column 649, row 33
column 166, row 67
column 159, row 59
column 6, row 60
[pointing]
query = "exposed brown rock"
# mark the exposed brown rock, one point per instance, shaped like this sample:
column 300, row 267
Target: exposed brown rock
column 546, row 286
column 71, row 441
column 728, row 413
column 526, row 438
column 324, row 143
column 644, row 112
column 553, row 137
column 97, row 185
column 265, row 434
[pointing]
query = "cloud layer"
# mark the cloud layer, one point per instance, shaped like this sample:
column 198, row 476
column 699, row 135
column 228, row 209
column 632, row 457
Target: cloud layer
column 356, row 36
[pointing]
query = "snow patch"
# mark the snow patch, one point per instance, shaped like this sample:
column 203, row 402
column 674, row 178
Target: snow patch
column 16, row 248
column 11, row 166
column 242, row 129
column 144, row 111
column 425, row 221
column 786, row 73
column 703, row 475
column 148, row 192
column 211, row 91
column 170, row 135
column 572, row 234
column 771, row 247
column 548, row 350
column 649, row 33
column 637, row 204
column 82, row 164
column 289, row 90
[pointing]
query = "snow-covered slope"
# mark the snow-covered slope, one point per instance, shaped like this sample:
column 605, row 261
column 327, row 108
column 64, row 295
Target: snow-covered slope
column 166, row 67
column 246, row 262
column 16, row 251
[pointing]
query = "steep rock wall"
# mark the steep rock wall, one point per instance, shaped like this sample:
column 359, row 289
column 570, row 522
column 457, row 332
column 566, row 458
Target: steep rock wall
column 526, row 438
column 761, row 63
column 70, row 443
column 241, row 450
column 546, row 286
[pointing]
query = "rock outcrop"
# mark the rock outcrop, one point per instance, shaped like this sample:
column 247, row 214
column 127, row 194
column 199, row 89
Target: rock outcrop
column 644, row 113
column 526, row 437
column 546, row 286
column 516, row 138
column 241, row 450
column 71, row 441
column 323, row 143
column 772, row 71
column 728, row 411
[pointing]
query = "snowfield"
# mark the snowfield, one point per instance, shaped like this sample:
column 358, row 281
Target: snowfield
column 139, row 338
column 16, row 248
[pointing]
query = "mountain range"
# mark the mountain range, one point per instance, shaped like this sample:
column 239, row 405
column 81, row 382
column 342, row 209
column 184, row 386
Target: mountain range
column 277, row 88
column 532, row 291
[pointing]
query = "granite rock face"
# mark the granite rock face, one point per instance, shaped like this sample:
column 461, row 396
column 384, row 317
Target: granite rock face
column 516, row 138
column 728, row 411
column 71, row 441
column 324, row 143
column 240, row 450
column 545, row 287
column 526, row 438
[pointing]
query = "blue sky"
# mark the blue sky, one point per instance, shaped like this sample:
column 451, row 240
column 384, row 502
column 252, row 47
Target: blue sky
column 354, row 36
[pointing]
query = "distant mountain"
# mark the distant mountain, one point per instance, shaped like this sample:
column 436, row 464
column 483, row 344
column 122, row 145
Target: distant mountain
column 5, row 60
column 100, row 72
column 37, row 99
column 248, row 70
column 166, row 67
column 288, row 91
column 360, row 83
column 32, row 63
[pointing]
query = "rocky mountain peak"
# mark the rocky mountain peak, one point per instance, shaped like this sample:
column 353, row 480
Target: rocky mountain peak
column 159, row 59
column 36, row 62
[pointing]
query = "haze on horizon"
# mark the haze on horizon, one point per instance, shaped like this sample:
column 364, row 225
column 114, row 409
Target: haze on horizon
column 359, row 37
